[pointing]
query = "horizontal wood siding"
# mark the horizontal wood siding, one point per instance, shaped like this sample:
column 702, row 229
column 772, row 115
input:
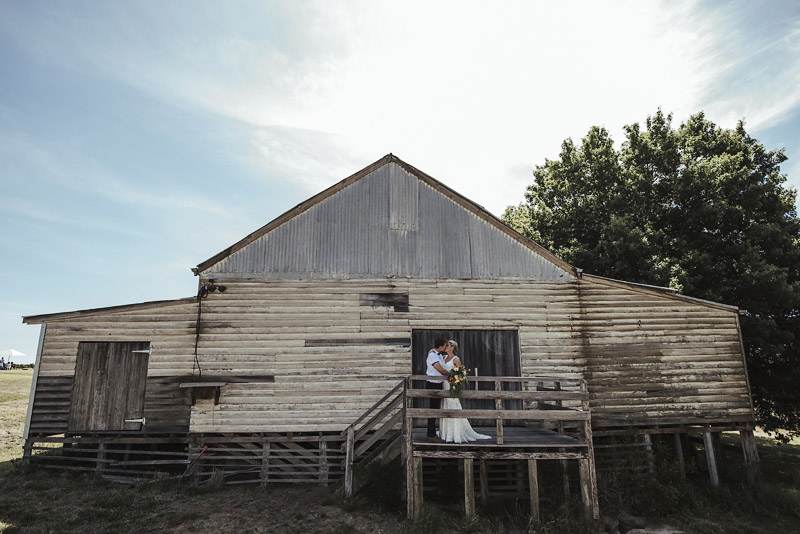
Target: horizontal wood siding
column 648, row 358
column 51, row 404
column 660, row 360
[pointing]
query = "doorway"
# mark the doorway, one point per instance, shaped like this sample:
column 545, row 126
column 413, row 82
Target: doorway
column 485, row 352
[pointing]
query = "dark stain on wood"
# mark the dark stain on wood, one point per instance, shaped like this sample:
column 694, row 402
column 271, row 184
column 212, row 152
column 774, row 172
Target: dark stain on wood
column 398, row 301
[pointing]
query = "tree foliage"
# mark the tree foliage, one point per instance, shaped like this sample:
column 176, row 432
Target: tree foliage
column 698, row 208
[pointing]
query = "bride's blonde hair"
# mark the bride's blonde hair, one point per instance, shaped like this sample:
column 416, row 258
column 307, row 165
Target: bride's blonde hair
column 455, row 345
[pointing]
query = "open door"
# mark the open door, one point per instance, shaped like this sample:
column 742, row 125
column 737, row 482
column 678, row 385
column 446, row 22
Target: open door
column 108, row 391
column 490, row 352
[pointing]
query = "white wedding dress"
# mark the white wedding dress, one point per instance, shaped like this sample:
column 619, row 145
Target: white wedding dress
column 454, row 430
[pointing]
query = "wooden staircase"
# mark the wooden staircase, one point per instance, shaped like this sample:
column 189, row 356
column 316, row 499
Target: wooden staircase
column 377, row 435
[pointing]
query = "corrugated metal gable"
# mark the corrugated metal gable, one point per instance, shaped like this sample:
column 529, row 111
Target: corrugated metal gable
column 387, row 223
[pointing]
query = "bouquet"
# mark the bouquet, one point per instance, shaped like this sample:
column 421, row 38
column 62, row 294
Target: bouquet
column 457, row 378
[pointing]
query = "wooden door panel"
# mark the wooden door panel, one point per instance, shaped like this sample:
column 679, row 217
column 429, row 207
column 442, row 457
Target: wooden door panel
column 109, row 386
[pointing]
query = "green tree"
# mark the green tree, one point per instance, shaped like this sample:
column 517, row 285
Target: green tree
column 698, row 208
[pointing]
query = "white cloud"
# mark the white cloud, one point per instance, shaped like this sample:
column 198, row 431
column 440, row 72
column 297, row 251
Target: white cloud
column 467, row 91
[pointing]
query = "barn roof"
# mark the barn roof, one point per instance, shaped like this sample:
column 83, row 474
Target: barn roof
column 39, row 319
column 388, row 219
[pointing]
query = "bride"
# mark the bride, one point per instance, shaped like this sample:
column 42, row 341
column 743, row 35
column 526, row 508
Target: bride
column 455, row 430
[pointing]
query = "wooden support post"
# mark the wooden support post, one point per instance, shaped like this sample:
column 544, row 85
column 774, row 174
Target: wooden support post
column 564, row 463
column 708, row 445
column 590, row 462
column 469, row 488
column 323, row 461
column 533, row 483
column 565, row 477
column 27, row 450
column 484, row 476
column 348, row 461
column 679, row 455
column 101, row 455
column 648, row 450
column 417, row 487
column 716, row 438
column 751, row 461
column 265, row 450
column 586, row 486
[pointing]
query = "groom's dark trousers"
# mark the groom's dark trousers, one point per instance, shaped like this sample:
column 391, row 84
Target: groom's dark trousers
column 436, row 403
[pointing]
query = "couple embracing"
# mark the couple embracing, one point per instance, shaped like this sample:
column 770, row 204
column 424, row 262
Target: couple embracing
column 441, row 359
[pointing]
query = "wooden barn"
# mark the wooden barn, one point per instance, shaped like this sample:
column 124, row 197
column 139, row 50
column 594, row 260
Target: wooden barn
column 292, row 361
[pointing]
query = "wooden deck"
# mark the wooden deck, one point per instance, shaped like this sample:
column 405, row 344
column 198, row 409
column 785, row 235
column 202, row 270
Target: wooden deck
column 536, row 418
column 514, row 437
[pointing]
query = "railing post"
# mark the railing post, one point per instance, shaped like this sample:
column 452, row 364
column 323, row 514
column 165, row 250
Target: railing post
column 498, row 405
column 408, row 446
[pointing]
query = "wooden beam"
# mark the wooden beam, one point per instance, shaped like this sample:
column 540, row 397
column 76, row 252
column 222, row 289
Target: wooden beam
column 752, row 464
column 648, row 450
column 417, row 487
column 679, row 456
column 348, row 463
column 265, row 462
column 484, row 479
column 708, row 445
column 533, row 483
column 469, row 488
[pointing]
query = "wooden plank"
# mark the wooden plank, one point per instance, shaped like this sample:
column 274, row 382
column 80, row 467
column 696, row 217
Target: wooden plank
column 533, row 485
column 711, row 460
column 348, row 469
column 417, row 486
column 679, row 456
column 484, row 482
column 469, row 488
column 493, row 455
column 529, row 415
column 751, row 459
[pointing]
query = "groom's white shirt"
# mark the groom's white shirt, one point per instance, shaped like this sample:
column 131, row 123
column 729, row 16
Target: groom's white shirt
column 433, row 358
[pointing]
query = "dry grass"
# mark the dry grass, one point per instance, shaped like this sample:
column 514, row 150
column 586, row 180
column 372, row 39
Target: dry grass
column 34, row 501
column 15, row 386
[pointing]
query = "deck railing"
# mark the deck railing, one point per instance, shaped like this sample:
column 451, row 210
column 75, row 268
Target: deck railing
column 558, row 404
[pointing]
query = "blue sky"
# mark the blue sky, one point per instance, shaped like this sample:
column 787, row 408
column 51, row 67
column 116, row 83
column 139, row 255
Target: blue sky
column 138, row 139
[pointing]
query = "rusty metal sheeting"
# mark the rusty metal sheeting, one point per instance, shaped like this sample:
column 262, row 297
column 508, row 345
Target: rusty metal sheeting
column 389, row 223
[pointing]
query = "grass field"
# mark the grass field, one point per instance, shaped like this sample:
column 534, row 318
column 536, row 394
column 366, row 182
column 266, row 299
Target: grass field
column 34, row 501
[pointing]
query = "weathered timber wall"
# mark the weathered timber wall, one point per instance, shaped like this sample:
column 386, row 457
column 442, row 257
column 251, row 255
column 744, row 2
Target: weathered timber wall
column 335, row 347
column 169, row 329
column 654, row 359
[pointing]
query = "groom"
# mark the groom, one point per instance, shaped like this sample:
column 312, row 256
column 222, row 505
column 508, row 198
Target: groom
column 435, row 367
